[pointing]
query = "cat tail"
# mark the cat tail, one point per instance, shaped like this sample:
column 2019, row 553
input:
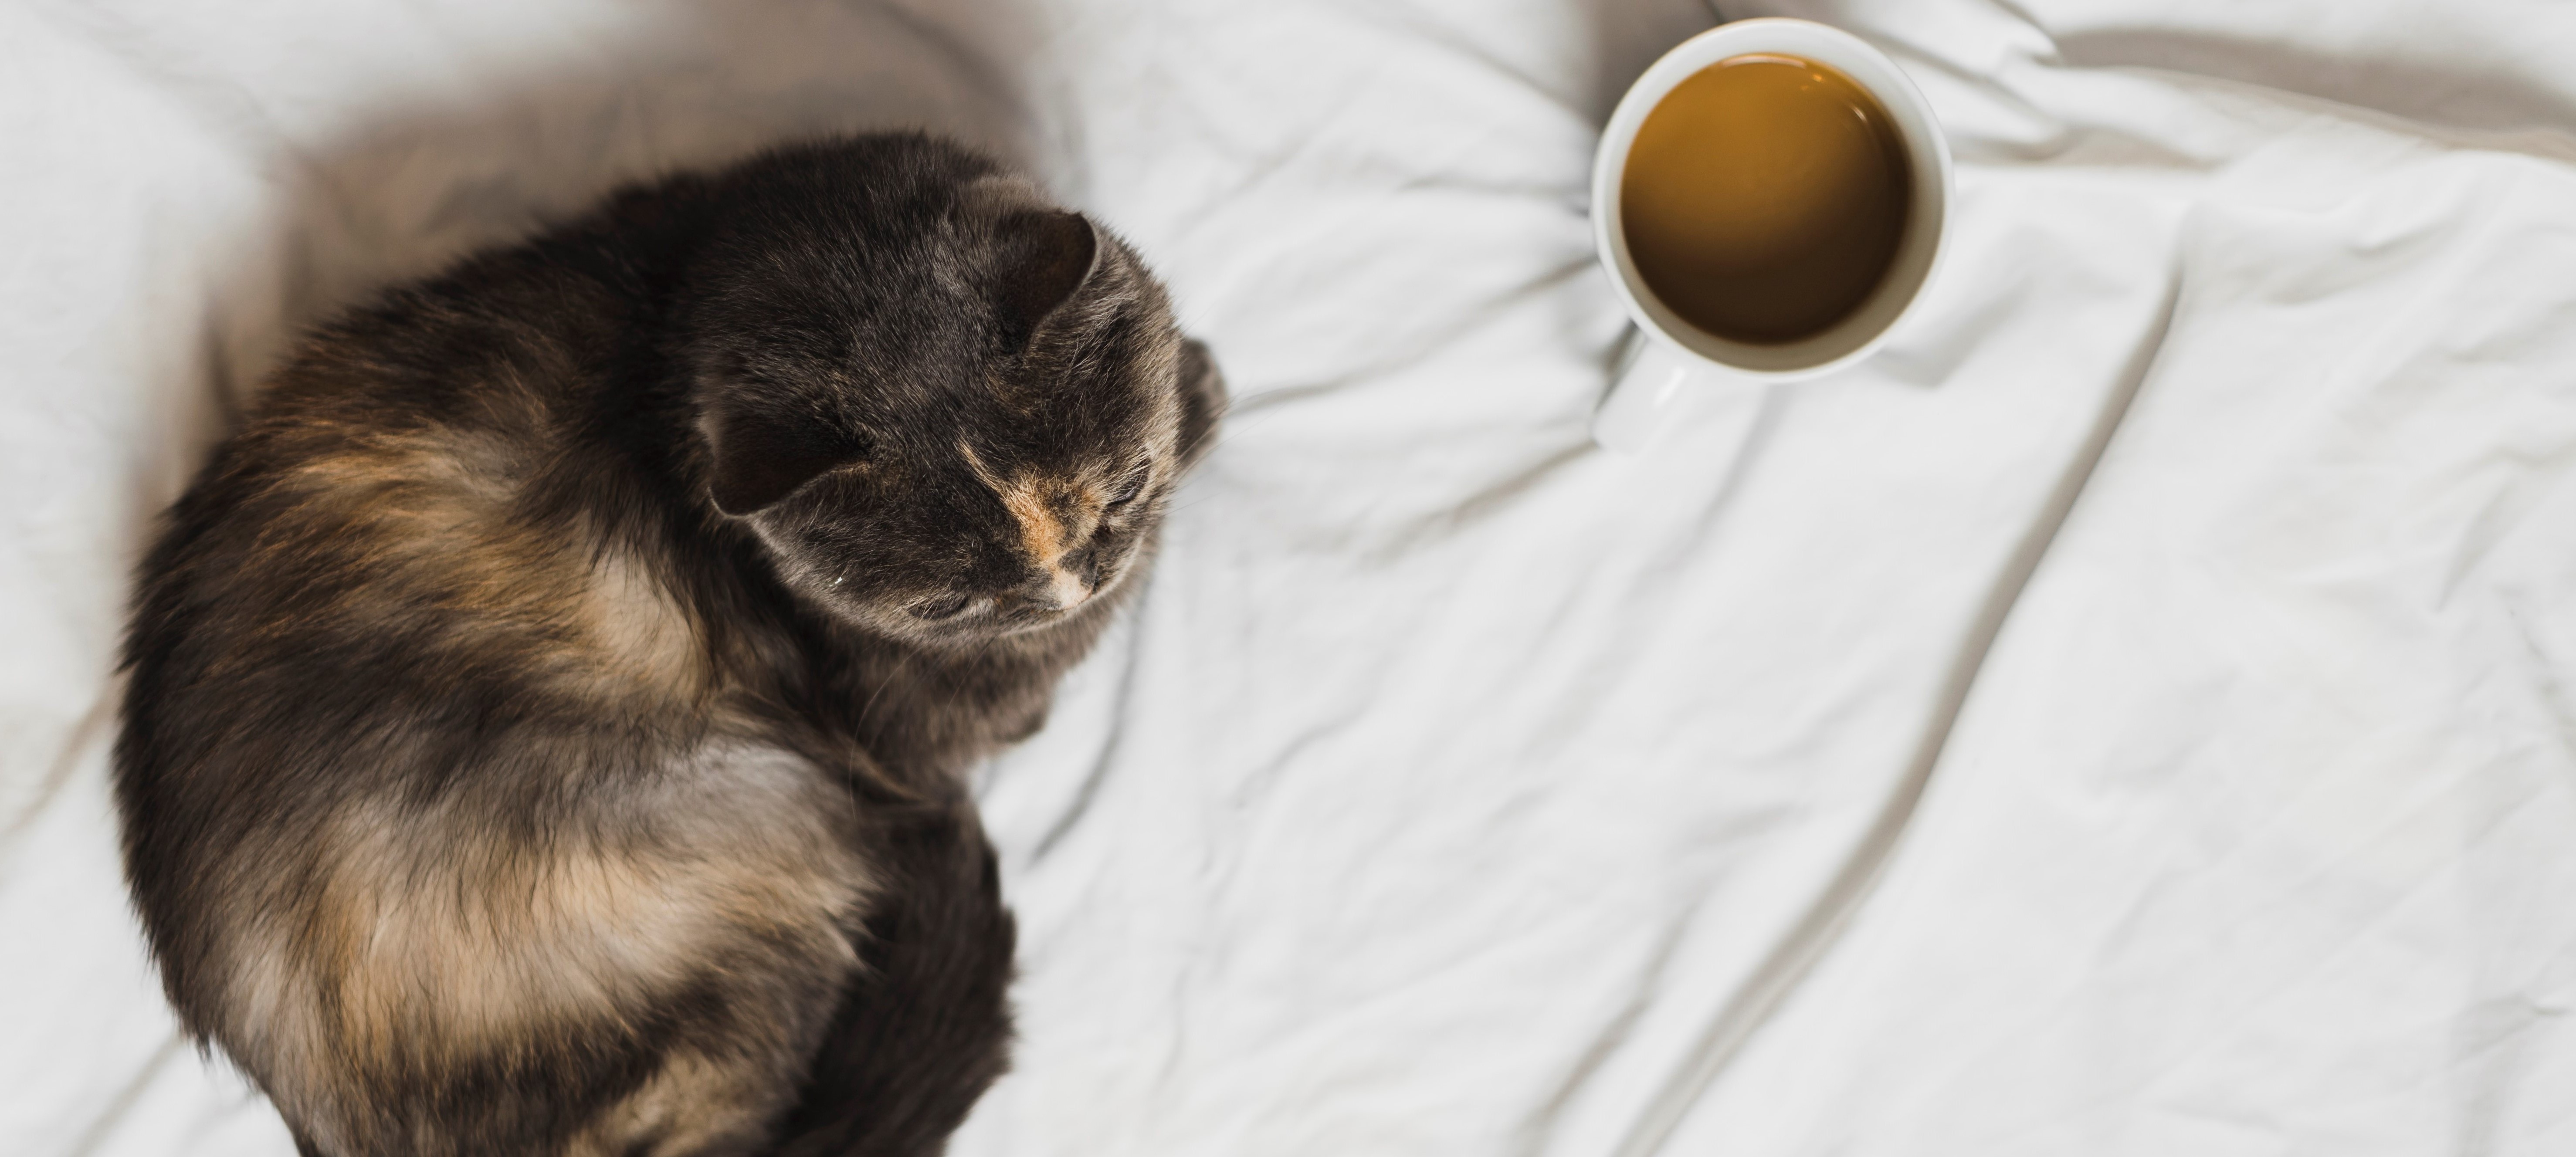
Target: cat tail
column 926, row 1026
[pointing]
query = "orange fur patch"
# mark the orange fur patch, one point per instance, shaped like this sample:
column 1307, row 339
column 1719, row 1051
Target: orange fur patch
column 430, row 519
column 1045, row 536
column 436, row 937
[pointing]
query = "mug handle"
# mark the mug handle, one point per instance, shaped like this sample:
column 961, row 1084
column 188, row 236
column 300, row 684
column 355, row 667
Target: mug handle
column 1652, row 384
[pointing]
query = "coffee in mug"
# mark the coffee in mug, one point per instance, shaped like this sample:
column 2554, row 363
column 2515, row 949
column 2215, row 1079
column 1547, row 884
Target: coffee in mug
column 1769, row 200
column 1765, row 197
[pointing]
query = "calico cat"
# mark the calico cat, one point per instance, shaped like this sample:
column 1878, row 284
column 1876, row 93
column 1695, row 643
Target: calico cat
column 547, row 713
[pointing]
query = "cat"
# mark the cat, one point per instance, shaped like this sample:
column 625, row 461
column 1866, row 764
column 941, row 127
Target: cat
column 547, row 713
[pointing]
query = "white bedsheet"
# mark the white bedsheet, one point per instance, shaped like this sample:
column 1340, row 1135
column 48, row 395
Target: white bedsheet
column 2202, row 554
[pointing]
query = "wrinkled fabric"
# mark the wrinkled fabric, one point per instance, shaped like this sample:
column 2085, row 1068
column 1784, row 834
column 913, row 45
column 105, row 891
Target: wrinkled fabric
column 2129, row 715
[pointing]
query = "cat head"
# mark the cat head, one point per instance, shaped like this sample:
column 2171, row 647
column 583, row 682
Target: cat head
column 948, row 410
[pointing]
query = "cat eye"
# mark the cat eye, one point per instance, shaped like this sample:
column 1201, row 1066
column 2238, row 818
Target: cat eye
column 1128, row 493
column 945, row 607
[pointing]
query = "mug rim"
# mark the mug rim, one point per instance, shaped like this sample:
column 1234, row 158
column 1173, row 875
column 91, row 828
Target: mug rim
column 1861, row 332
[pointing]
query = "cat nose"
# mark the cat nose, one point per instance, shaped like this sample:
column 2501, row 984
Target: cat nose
column 1056, row 591
column 1068, row 589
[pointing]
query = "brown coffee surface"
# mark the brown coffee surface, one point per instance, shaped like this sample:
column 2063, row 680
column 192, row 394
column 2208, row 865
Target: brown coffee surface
column 1764, row 198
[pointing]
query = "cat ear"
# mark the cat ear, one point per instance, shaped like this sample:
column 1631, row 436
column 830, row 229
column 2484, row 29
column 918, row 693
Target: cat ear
column 1202, row 398
column 1046, row 256
column 761, row 458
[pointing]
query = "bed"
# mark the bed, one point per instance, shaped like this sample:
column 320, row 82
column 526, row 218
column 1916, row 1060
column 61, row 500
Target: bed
column 2135, row 713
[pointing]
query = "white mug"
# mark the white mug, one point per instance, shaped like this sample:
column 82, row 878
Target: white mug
column 1668, row 357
